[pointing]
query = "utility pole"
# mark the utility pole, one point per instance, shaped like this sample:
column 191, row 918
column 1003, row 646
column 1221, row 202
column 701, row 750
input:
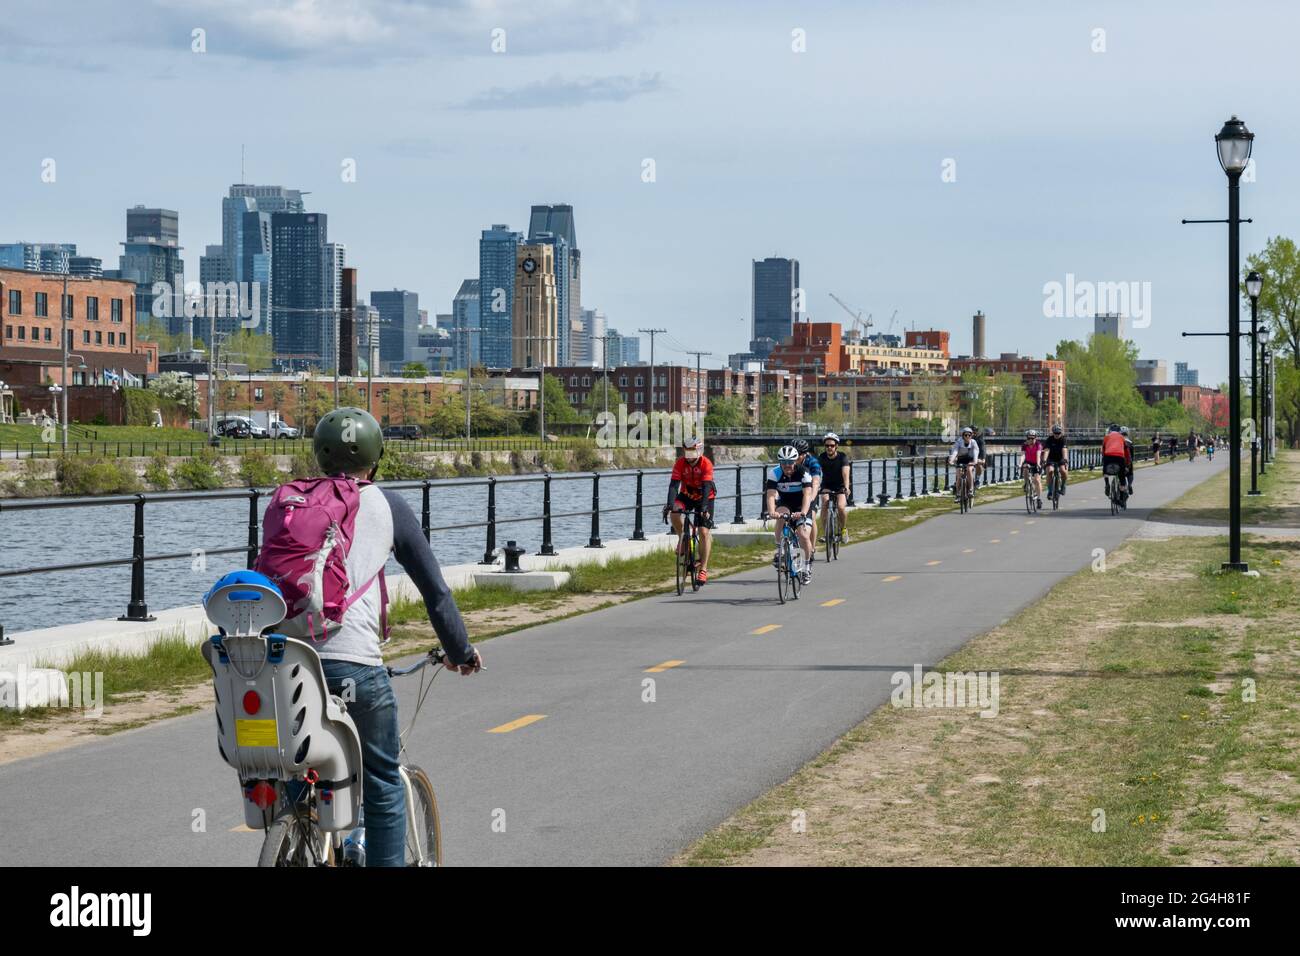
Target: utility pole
column 652, row 333
column 469, row 366
column 63, row 308
column 699, row 409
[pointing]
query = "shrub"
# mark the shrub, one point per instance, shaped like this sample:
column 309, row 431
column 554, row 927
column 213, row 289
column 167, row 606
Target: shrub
column 91, row 475
column 304, row 464
column 158, row 471
column 202, row 471
column 586, row 458
column 31, row 482
column 398, row 465
column 258, row 468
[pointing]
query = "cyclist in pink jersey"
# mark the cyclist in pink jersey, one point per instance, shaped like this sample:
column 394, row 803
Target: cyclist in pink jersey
column 1031, row 463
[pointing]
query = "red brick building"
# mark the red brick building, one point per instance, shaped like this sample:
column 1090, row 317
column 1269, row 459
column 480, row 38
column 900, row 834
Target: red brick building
column 103, row 351
column 1044, row 379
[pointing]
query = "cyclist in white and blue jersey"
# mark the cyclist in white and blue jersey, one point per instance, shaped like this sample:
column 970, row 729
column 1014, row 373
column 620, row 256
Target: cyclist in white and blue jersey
column 814, row 468
column 788, row 498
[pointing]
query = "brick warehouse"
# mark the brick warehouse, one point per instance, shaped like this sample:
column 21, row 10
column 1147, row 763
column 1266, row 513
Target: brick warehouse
column 101, row 337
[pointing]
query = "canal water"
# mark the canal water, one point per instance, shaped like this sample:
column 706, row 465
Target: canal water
column 41, row 538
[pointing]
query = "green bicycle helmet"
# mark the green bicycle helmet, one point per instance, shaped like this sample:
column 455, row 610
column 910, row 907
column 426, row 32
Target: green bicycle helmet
column 347, row 440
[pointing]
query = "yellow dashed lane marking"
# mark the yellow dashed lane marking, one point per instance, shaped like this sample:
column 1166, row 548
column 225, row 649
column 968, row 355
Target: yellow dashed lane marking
column 659, row 668
column 516, row 724
column 1015, row 531
column 892, row 577
column 244, row 828
column 967, row 550
column 995, row 541
column 765, row 629
column 832, row 602
column 1031, row 521
column 930, row 564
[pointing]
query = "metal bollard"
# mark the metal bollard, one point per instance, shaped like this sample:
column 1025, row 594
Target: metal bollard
column 594, row 541
column 424, row 511
column 489, row 552
column 638, row 532
column 912, row 478
column 898, row 478
column 871, row 486
column 137, row 610
column 253, row 495
column 548, row 546
column 739, row 517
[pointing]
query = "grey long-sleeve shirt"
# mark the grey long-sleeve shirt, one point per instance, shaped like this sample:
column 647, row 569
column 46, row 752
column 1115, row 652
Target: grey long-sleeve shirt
column 385, row 524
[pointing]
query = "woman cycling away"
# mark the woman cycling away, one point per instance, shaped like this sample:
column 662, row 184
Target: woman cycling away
column 348, row 443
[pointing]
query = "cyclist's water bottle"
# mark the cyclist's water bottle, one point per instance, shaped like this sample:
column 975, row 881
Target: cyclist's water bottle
column 354, row 844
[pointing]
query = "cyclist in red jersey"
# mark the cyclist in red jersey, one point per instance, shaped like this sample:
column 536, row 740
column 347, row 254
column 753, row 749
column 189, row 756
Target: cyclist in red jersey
column 691, row 488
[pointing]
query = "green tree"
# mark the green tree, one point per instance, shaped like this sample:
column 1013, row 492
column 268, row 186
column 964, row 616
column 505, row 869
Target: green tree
column 603, row 395
column 773, row 414
column 246, row 346
column 1279, row 298
column 1101, row 381
column 415, row 370
column 728, row 412
column 558, row 409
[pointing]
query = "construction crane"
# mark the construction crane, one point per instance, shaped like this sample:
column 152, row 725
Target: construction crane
column 891, row 322
column 859, row 324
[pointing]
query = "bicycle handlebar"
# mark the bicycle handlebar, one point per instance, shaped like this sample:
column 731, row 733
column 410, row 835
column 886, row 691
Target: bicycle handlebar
column 435, row 656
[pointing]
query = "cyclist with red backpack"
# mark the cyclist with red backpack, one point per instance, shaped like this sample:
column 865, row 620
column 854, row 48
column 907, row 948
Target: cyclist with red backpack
column 326, row 541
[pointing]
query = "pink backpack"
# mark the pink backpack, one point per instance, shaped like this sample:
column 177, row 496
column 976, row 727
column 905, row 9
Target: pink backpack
column 307, row 533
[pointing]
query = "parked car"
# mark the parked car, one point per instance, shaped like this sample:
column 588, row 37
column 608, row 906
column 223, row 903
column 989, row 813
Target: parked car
column 280, row 429
column 234, row 428
column 254, row 429
column 402, row 431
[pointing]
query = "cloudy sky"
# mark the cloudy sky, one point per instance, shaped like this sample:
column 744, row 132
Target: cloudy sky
column 1068, row 158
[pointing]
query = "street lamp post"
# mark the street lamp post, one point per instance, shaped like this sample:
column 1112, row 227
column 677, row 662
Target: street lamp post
column 1253, row 286
column 1234, row 143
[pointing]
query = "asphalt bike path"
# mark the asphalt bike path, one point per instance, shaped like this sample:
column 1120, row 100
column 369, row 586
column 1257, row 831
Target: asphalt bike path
column 556, row 754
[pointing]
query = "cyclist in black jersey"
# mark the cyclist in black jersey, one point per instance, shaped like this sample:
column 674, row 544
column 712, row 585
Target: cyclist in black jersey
column 1056, row 455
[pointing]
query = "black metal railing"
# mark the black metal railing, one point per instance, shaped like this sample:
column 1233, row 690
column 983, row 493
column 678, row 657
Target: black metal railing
column 143, row 448
column 920, row 475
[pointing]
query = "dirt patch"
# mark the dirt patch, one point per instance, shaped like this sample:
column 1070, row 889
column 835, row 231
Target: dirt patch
column 69, row 729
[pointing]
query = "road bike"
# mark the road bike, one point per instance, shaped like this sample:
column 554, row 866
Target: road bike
column 688, row 546
column 1031, row 502
column 1114, row 477
column 965, row 495
column 1055, row 484
column 293, row 744
column 832, row 528
column 789, row 564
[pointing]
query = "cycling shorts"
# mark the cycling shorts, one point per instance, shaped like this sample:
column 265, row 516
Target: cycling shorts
column 1034, row 469
column 701, row 506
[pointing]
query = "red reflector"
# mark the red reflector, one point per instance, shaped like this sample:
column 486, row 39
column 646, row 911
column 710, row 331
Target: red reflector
column 252, row 702
column 263, row 794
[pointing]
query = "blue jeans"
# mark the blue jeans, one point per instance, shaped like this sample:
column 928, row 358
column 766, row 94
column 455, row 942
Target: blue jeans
column 372, row 705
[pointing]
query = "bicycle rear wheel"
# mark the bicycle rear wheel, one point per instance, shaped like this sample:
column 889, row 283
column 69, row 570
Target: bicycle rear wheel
column 681, row 565
column 693, row 547
column 424, row 827
column 287, row 842
column 781, row 579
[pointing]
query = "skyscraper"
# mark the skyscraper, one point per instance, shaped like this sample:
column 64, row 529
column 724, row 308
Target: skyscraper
column 465, row 312
column 775, row 308
column 496, row 273
column 300, row 293
column 557, row 221
column 535, row 307
column 1111, row 324
column 399, row 327
column 151, row 254
column 244, row 255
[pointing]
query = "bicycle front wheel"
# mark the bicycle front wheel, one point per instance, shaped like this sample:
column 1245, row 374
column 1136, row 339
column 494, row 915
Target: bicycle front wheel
column 423, row 826
column 681, row 567
column 781, row 578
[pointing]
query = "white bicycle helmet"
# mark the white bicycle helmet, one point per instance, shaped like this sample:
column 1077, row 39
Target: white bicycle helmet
column 831, row 436
column 787, row 453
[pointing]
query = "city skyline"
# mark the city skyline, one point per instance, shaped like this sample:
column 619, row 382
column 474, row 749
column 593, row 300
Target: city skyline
column 1039, row 193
